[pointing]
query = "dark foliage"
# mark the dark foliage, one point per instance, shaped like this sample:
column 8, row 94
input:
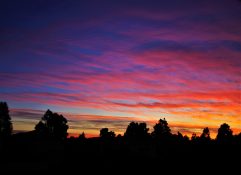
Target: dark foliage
column 136, row 131
column 5, row 121
column 205, row 136
column 162, row 132
column 225, row 134
column 52, row 125
column 106, row 134
column 138, row 151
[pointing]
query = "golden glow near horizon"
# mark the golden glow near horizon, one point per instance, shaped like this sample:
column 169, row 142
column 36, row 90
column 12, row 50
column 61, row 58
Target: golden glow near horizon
column 141, row 62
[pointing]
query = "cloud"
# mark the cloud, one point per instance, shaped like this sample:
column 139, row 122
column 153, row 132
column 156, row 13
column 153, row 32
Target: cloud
column 137, row 59
column 26, row 119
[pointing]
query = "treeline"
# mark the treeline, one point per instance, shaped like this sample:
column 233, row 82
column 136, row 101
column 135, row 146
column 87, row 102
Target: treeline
column 48, row 149
column 54, row 126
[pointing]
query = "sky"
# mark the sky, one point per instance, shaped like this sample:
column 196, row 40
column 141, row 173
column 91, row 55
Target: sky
column 107, row 63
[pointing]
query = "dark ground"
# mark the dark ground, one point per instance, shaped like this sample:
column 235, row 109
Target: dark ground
column 117, row 156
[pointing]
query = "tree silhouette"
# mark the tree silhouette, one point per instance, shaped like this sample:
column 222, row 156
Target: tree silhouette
column 195, row 139
column 161, row 130
column 82, row 136
column 194, row 136
column 47, row 148
column 106, row 134
column 52, row 125
column 136, row 131
column 179, row 138
column 5, row 121
column 205, row 136
column 238, row 138
column 225, row 134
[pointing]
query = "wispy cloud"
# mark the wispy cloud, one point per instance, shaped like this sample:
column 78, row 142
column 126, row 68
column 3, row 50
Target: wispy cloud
column 141, row 60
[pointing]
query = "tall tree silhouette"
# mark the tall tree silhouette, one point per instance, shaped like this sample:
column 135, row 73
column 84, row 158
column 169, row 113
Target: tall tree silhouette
column 136, row 131
column 225, row 134
column 5, row 121
column 161, row 130
column 52, row 125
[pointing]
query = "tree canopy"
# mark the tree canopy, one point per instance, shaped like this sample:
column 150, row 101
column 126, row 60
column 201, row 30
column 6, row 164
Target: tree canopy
column 106, row 134
column 52, row 125
column 161, row 130
column 225, row 133
column 136, row 131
